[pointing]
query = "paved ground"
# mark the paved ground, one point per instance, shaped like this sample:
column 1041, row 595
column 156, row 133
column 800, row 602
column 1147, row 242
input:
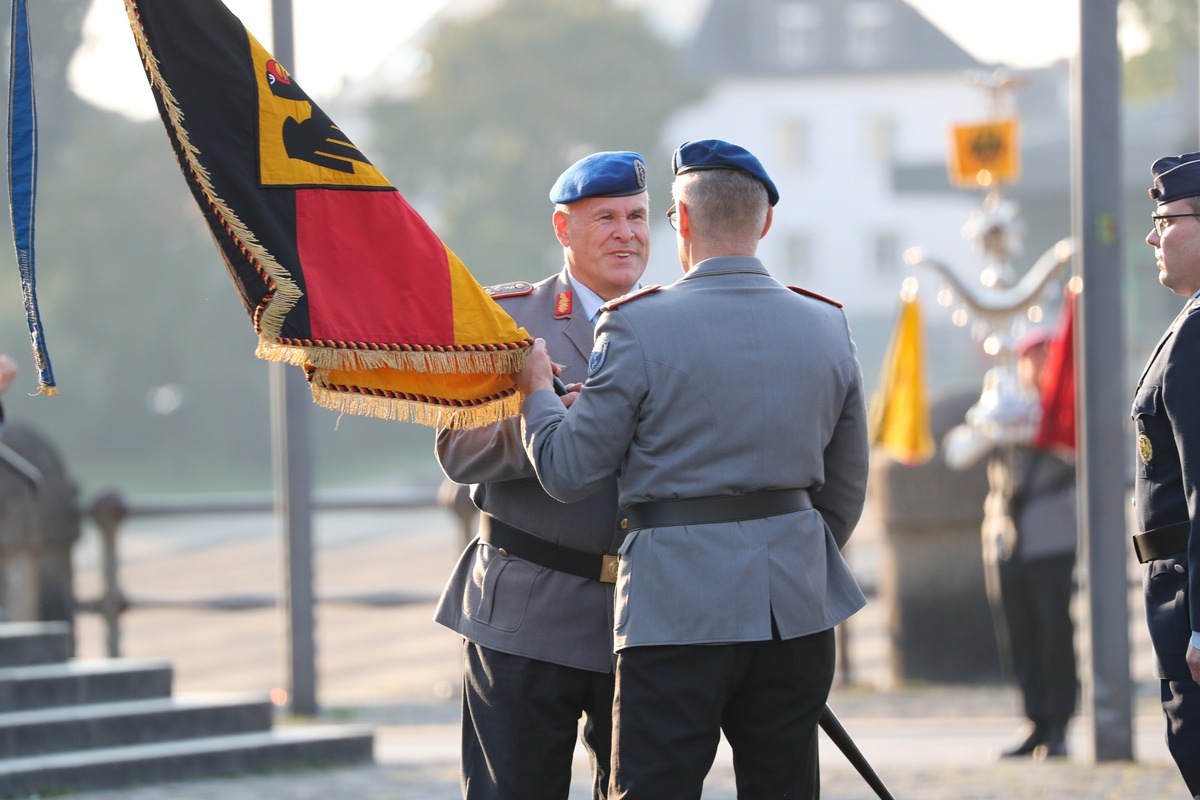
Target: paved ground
column 391, row 667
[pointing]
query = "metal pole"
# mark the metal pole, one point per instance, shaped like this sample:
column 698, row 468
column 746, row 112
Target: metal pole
column 290, row 400
column 1104, row 397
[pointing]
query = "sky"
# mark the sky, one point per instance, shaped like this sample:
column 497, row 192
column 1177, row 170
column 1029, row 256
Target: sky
column 354, row 42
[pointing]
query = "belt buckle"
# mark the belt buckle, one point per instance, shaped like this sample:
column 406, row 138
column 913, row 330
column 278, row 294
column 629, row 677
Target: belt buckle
column 609, row 566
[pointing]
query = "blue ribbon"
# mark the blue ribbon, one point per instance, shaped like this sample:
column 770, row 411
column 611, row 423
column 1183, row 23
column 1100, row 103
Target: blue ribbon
column 22, row 180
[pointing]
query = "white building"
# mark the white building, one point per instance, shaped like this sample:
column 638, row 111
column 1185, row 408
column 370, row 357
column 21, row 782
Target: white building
column 833, row 96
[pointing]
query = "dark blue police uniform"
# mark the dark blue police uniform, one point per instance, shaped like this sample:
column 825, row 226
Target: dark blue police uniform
column 1166, row 411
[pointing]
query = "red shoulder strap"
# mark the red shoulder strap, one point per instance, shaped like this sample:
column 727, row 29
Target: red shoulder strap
column 625, row 298
column 815, row 296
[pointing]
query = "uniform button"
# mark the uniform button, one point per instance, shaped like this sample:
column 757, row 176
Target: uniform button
column 1179, row 568
column 625, row 524
column 503, row 552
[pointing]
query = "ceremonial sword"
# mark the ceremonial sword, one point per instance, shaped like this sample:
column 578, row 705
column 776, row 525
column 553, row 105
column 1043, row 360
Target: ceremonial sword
column 837, row 734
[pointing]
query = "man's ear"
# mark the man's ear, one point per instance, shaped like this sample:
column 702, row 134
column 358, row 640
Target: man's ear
column 683, row 219
column 767, row 225
column 559, row 221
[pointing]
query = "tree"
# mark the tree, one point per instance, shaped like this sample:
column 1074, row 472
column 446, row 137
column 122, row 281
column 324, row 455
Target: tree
column 510, row 100
column 1170, row 29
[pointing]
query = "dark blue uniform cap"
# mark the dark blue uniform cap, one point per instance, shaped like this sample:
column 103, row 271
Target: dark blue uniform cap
column 1175, row 177
column 716, row 154
column 610, row 174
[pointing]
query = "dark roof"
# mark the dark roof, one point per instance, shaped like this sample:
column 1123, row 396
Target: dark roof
column 742, row 38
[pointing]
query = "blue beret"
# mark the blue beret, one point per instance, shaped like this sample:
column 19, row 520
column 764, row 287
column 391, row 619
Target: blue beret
column 716, row 154
column 609, row 174
column 1175, row 177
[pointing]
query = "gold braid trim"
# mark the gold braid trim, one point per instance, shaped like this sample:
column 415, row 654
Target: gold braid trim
column 283, row 293
column 505, row 358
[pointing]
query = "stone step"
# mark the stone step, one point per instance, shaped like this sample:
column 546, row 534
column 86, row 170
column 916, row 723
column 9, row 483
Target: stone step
column 300, row 747
column 26, row 643
column 83, row 682
column 103, row 725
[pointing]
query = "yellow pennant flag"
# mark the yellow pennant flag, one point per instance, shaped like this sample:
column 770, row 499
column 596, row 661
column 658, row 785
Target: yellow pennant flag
column 899, row 410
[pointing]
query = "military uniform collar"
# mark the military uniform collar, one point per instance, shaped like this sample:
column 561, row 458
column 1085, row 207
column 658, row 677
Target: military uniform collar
column 725, row 265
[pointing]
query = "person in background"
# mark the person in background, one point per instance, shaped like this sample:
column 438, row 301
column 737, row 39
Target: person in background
column 532, row 595
column 743, row 468
column 8, row 374
column 1167, row 480
column 1030, row 536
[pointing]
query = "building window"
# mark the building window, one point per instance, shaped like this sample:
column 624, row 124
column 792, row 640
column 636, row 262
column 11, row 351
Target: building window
column 880, row 140
column 793, row 143
column 866, row 33
column 799, row 34
column 799, row 259
column 886, row 254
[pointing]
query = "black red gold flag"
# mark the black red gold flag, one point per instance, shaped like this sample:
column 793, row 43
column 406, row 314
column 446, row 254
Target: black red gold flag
column 338, row 273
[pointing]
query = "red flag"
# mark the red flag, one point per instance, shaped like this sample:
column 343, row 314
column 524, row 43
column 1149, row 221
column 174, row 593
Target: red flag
column 338, row 273
column 1058, row 382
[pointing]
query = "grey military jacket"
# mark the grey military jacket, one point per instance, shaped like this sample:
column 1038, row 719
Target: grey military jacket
column 723, row 383
column 509, row 604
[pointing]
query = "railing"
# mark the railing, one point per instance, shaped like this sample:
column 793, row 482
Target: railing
column 110, row 510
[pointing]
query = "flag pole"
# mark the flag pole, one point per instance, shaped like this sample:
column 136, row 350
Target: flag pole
column 291, row 453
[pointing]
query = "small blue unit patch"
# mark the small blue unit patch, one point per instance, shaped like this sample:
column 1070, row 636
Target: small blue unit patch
column 599, row 351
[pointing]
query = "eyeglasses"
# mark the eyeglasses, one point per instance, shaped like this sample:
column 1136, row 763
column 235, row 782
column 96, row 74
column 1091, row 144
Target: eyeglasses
column 1160, row 220
column 675, row 223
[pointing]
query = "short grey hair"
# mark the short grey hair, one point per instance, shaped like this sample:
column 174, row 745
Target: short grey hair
column 725, row 204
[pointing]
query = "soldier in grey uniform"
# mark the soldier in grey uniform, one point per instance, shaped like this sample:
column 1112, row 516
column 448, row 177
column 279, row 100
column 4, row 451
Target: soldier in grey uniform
column 732, row 409
column 532, row 595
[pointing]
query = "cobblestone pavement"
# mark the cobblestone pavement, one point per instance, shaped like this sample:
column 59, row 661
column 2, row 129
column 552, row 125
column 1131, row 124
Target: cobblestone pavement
column 394, row 669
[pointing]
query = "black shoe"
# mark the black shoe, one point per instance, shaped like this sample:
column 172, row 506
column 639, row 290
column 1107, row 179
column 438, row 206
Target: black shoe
column 1034, row 739
column 1054, row 746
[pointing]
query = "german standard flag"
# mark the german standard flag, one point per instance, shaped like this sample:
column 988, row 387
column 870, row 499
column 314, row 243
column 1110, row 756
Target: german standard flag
column 337, row 271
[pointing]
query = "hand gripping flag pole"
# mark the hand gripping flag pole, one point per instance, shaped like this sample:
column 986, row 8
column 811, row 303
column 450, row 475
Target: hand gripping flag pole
column 22, row 181
column 838, row 735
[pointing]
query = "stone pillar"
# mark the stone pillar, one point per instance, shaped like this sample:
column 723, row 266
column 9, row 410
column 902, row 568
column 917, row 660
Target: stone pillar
column 39, row 526
column 931, row 573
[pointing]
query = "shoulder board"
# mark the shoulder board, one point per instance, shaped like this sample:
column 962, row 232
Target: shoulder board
column 625, row 298
column 815, row 296
column 511, row 289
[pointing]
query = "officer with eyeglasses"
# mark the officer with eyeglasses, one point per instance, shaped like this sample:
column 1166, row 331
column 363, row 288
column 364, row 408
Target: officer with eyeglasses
column 737, row 500
column 1167, row 487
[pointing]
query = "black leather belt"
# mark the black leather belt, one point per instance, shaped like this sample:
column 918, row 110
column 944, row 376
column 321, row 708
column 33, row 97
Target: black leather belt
column 512, row 541
column 1162, row 542
column 728, row 508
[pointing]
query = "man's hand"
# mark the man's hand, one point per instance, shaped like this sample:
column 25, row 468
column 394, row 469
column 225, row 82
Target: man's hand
column 573, row 390
column 538, row 372
column 1193, row 662
column 8, row 372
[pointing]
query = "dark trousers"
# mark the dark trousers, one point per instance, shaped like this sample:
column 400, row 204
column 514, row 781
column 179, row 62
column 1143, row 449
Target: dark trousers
column 520, row 722
column 1181, row 706
column 1038, row 635
column 673, row 702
